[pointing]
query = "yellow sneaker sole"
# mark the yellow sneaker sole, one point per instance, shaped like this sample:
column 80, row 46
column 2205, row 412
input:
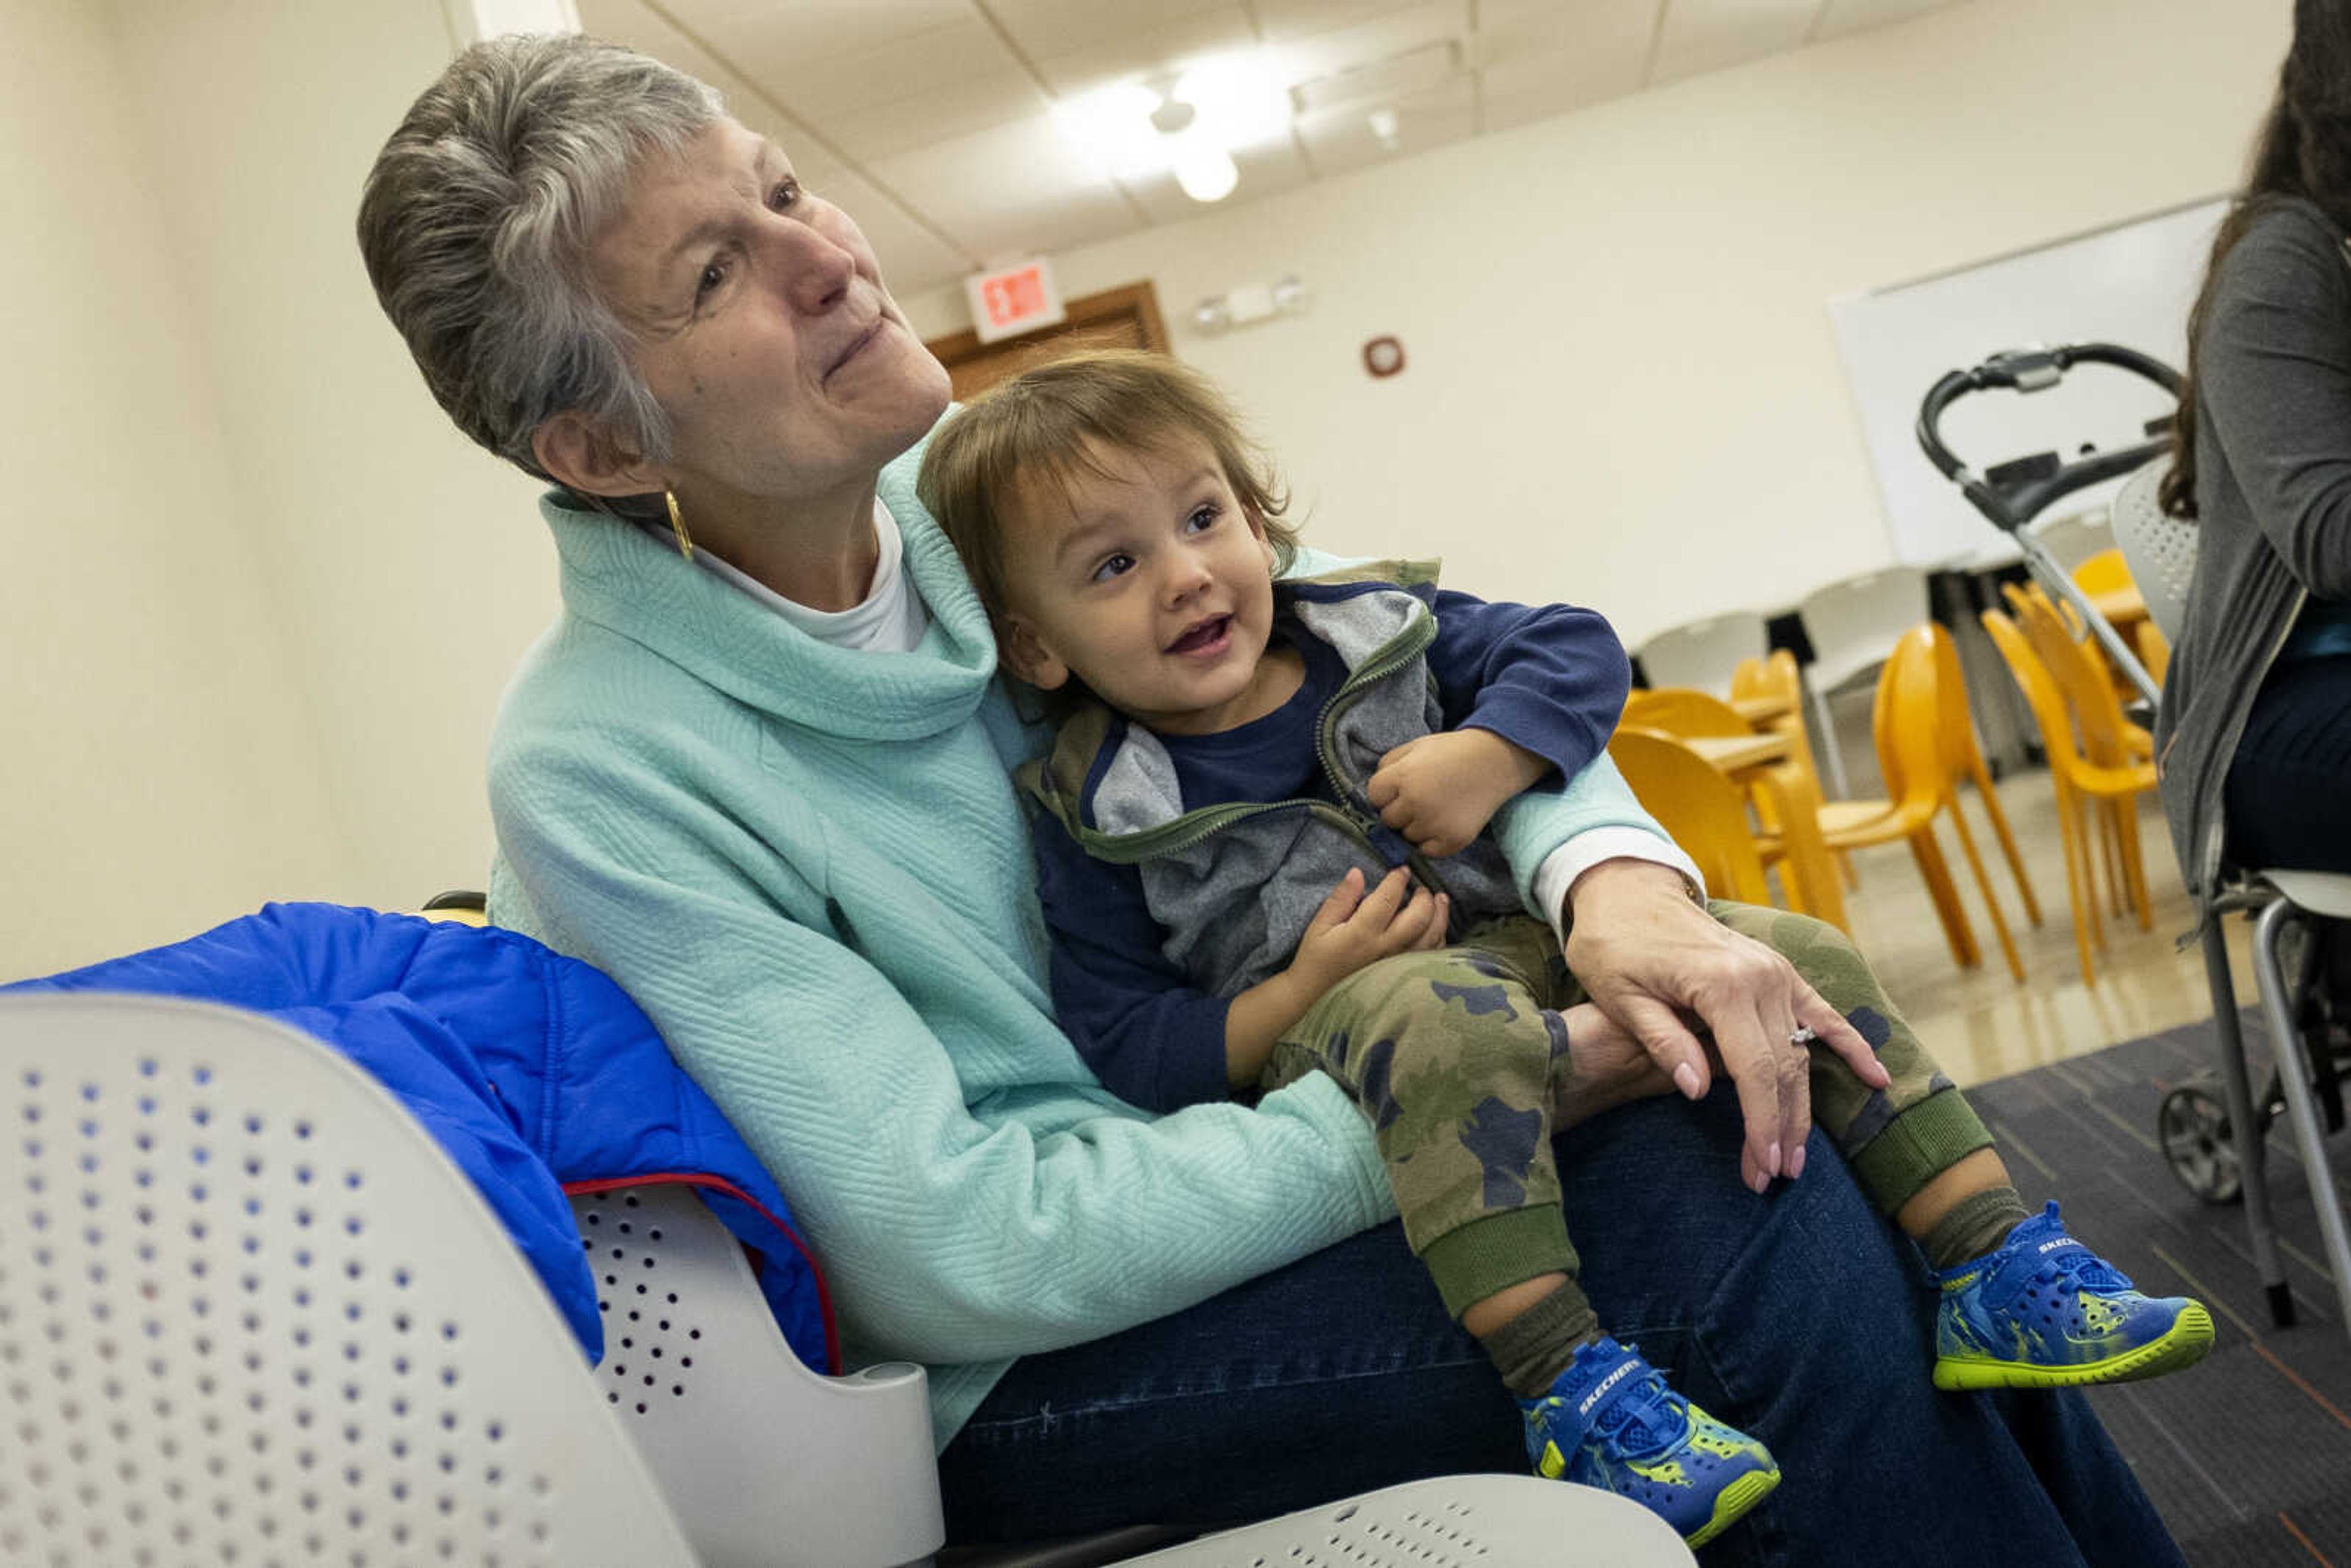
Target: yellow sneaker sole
column 1735, row 1500
column 2183, row 1347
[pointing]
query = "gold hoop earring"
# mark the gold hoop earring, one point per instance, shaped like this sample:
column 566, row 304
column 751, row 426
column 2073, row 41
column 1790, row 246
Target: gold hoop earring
column 677, row 525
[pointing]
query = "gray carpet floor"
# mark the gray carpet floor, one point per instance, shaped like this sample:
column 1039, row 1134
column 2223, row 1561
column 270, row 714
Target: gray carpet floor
column 2249, row 1455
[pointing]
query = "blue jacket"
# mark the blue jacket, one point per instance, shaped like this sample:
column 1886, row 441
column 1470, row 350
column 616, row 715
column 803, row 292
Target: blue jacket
column 533, row 1071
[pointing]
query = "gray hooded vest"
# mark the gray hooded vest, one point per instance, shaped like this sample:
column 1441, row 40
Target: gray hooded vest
column 1235, row 885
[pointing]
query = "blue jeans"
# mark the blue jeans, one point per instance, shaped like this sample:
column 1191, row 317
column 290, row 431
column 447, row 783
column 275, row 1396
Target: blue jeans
column 1799, row 1316
column 2287, row 805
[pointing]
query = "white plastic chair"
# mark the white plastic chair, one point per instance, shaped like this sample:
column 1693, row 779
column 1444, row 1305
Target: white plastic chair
column 760, row 1457
column 248, row 1310
column 1458, row 1521
column 1852, row 624
column 2160, row 551
column 1704, row 653
column 716, row 1448
column 2075, row 536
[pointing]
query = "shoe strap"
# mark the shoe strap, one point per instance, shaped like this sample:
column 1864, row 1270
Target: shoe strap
column 1630, row 1394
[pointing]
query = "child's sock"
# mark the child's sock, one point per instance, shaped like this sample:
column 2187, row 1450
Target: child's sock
column 1533, row 1349
column 1975, row 1224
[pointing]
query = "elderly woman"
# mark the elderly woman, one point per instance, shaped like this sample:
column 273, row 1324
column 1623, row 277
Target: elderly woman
column 757, row 772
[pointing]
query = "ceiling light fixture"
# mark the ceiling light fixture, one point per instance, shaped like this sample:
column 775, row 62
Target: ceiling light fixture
column 1189, row 128
column 1205, row 170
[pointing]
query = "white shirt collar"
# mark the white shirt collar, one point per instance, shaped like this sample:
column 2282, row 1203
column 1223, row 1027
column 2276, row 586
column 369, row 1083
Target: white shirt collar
column 889, row 619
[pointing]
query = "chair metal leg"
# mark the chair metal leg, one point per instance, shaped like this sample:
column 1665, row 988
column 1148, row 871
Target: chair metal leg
column 2237, row 1093
column 2302, row 1106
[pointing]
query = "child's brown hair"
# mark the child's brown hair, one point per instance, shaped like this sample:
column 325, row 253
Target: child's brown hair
column 1039, row 425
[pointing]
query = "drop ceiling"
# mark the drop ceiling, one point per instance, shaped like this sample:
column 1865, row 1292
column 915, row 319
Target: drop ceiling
column 933, row 122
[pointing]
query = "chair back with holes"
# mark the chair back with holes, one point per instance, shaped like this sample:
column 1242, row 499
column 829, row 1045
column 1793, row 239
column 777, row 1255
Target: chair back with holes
column 765, row 1462
column 1703, row 654
column 249, row 1310
column 2075, row 538
column 1852, row 624
column 1451, row 1521
column 1701, row 810
column 2160, row 549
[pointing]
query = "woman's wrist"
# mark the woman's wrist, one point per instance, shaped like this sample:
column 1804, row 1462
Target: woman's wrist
column 1602, row 1069
column 1624, row 881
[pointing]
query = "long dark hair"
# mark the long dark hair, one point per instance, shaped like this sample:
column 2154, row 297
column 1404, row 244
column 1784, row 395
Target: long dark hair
column 2304, row 149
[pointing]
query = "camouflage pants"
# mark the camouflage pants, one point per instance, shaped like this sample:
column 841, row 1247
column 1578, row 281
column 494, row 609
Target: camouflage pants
column 1456, row 1056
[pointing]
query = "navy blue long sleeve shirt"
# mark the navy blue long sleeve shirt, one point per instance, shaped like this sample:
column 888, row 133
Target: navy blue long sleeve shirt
column 1551, row 679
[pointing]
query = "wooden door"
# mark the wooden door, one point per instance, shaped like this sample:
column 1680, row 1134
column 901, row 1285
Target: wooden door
column 1127, row 318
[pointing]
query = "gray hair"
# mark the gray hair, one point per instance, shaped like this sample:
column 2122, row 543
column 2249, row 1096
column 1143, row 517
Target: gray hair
column 476, row 220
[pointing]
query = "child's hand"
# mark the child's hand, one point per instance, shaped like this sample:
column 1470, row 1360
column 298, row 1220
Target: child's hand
column 1354, row 929
column 1439, row 791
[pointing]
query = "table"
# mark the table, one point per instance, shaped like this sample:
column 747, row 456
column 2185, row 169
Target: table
column 1763, row 762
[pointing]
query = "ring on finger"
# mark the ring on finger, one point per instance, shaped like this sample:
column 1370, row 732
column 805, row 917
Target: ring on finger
column 1804, row 1034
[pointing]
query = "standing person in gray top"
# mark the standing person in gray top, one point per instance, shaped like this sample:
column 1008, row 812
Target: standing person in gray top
column 2254, row 732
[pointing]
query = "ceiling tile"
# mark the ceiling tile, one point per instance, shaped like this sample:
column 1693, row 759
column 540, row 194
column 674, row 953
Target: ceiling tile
column 1342, row 138
column 1541, row 63
column 1270, row 169
column 1845, row 17
column 906, row 69
column 818, row 29
column 1396, row 32
column 1149, row 53
column 1513, row 29
column 1046, row 27
column 1008, row 191
column 879, row 131
column 1708, row 35
column 1284, row 19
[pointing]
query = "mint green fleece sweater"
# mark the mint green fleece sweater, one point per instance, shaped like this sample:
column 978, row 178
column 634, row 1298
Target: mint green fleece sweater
column 808, row 866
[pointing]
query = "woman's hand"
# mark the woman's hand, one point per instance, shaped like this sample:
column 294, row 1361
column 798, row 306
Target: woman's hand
column 1440, row 790
column 1654, row 961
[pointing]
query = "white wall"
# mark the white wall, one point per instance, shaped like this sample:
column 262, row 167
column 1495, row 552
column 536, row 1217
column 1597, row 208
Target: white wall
column 262, row 597
column 409, row 568
column 159, row 760
column 1623, row 387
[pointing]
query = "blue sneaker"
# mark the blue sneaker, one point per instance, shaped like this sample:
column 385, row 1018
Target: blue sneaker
column 2042, row 1310
column 1611, row 1422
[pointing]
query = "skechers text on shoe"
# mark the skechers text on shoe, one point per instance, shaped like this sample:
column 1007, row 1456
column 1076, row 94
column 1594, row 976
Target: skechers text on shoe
column 1611, row 1422
column 2042, row 1310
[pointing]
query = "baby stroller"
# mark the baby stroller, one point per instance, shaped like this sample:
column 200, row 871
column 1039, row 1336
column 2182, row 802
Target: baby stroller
column 2298, row 915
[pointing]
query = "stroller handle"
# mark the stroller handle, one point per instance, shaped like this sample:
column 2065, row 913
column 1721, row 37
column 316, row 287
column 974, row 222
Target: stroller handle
column 2008, row 502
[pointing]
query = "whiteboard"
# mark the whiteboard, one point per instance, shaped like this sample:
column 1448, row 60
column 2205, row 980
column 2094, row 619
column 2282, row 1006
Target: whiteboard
column 2132, row 285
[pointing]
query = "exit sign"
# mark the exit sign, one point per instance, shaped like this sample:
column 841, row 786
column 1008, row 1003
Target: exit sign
column 1013, row 299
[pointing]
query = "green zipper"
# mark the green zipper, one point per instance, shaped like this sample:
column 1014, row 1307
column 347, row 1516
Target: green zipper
column 1193, row 827
column 1400, row 649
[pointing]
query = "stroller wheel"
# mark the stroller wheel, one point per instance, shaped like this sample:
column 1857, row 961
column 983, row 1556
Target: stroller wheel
column 2193, row 1128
